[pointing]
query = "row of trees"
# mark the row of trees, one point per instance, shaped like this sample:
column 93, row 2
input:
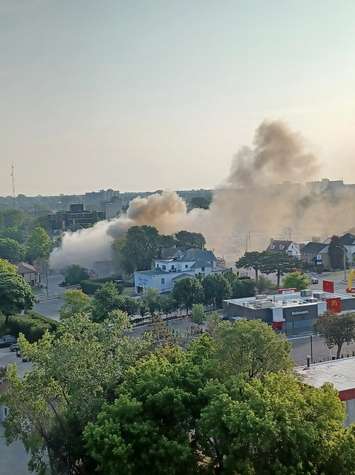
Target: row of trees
column 141, row 244
column 269, row 262
column 99, row 401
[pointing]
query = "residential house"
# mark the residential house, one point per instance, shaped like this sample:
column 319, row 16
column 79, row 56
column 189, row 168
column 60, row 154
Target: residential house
column 288, row 247
column 316, row 253
column 31, row 275
column 348, row 241
column 180, row 264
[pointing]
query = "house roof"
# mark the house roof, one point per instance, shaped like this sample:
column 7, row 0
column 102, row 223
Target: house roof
column 25, row 268
column 313, row 247
column 279, row 245
column 347, row 240
column 200, row 255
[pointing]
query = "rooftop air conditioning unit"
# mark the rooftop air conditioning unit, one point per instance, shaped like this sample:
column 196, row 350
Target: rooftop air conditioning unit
column 260, row 297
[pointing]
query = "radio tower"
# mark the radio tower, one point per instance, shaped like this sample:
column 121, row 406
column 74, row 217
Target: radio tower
column 13, row 182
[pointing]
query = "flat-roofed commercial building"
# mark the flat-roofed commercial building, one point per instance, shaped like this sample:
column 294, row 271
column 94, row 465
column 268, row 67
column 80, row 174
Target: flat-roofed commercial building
column 291, row 313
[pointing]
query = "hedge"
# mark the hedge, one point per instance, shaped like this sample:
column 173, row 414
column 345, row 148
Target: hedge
column 32, row 325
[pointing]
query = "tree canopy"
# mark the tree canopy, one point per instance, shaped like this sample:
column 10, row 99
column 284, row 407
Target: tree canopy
column 188, row 291
column 75, row 302
column 39, row 245
column 75, row 274
column 336, row 329
column 296, row 280
column 15, row 293
column 11, row 250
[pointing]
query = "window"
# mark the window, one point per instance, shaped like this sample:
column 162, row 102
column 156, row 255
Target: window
column 162, row 281
column 203, row 269
column 164, row 266
column 186, row 266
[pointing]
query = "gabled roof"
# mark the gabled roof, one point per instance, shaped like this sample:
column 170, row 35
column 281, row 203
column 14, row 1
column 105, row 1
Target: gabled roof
column 313, row 247
column 200, row 255
column 279, row 245
column 25, row 268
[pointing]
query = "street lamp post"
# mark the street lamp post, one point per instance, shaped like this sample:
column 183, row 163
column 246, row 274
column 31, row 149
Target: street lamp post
column 344, row 260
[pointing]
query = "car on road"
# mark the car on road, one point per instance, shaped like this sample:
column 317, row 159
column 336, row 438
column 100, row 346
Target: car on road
column 314, row 280
column 14, row 347
column 7, row 340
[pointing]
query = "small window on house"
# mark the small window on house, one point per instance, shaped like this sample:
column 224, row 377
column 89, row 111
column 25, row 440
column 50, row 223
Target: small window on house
column 162, row 281
column 164, row 266
column 186, row 266
column 6, row 411
column 203, row 269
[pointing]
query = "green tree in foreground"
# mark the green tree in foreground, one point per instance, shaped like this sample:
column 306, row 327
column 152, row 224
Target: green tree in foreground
column 15, row 293
column 198, row 313
column 151, row 300
column 208, row 418
column 75, row 274
column 106, row 299
column 216, row 288
column 74, row 373
column 296, row 280
column 75, row 302
column 336, row 330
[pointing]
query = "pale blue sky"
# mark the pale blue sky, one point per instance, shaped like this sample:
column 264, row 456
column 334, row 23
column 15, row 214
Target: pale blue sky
column 155, row 94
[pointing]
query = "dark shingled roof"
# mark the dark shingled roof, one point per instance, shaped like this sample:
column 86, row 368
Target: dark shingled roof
column 313, row 247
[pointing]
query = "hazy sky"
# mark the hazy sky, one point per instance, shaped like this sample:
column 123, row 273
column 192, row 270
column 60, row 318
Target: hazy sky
column 150, row 94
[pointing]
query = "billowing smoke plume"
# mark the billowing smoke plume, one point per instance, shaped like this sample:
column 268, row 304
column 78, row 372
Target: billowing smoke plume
column 265, row 196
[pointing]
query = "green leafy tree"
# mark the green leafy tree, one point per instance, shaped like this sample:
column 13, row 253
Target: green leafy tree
column 128, row 304
column 251, row 260
column 278, row 263
column 188, row 291
column 216, row 288
column 75, row 274
column 75, row 302
column 211, row 419
column 186, row 240
column 39, row 245
column 106, row 299
column 198, row 313
column 250, row 348
column 264, row 285
column 296, row 280
column 167, row 303
column 138, row 249
column 11, row 250
column 151, row 300
column 273, row 425
column 15, row 293
column 74, row 372
column 244, row 288
column 336, row 329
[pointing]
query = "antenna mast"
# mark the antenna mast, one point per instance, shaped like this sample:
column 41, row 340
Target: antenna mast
column 13, row 181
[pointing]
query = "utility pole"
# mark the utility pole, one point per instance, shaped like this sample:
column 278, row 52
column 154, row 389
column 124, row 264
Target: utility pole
column 13, row 183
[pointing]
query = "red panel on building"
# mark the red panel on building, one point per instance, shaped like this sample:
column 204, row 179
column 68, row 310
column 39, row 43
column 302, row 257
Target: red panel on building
column 277, row 325
column 334, row 305
column 328, row 286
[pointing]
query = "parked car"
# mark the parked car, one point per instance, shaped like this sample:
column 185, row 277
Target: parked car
column 7, row 340
column 14, row 347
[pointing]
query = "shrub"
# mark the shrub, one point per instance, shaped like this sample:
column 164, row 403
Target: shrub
column 90, row 286
column 32, row 325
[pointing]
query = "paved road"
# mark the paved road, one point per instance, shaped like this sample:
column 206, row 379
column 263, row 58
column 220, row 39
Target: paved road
column 13, row 457
column 50, row 306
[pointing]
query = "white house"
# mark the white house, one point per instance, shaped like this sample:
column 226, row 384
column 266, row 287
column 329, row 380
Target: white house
column 288, row 247
column 182, row 264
